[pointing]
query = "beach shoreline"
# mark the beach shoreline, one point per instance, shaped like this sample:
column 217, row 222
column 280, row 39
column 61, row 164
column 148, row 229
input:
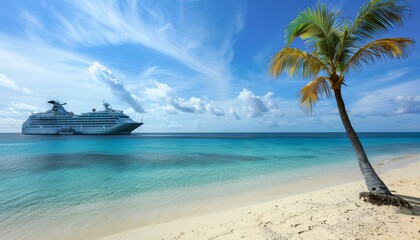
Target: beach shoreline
column 93, row 188
column 269, row 217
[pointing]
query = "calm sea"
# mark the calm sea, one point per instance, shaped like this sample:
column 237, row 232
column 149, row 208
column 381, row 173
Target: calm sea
column 58, row 187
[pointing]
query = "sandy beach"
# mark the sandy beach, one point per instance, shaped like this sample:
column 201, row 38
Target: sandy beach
column 333, row 212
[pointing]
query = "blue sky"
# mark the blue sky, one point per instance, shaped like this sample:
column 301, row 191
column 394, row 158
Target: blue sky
column 186, row 66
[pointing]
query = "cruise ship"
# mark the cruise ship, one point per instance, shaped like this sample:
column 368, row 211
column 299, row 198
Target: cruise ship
column 58, row 121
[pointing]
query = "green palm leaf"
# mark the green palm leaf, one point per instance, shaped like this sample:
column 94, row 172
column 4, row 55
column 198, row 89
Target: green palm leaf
column 378, row 16
column 379, row 50
column 335, row 46
column 318, row 27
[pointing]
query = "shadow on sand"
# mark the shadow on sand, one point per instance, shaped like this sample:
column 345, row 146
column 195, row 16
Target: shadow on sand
column 414, row 201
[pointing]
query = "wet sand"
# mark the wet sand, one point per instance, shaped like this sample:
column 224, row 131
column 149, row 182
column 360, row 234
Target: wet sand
column 333, row 212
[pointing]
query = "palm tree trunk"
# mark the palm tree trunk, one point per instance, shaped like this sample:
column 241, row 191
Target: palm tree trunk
column 379, row 193
column 372, row 180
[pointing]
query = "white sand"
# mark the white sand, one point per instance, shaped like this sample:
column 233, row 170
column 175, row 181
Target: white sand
column 335, row 212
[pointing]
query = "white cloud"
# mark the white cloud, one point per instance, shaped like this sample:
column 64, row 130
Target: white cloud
column 160, row 91
column 255, row 105
column 10, row 111
column 193, row 105
column 398, row 99
column 44, row 69
column 169, row 109
column 9, row 124
column 25, row 106
column 20, row 110
column 9, row 83
column 146, row 24
column 163, row 92
column 56, row 54
column 407, row 104
column 104, row 75
column 234, row 114
column 215, row 111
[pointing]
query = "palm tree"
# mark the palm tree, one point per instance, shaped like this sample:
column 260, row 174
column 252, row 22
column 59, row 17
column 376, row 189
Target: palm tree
column 335, row 46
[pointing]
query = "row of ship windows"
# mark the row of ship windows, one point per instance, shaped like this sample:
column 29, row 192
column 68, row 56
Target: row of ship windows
column 103, row 116
column 90, row 130
column 71, row 124
column 78, row 123
column 67, row 116
column 55, row 126
column 76, row 120
column 71, row 118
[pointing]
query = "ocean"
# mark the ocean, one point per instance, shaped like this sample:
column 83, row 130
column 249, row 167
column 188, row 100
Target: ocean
column 76, row 187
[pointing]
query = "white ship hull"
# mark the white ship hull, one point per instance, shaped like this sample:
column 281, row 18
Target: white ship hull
column 60, row 122
column 123, row 129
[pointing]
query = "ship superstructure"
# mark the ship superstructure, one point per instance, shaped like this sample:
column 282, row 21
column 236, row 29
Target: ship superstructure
column 59, row 121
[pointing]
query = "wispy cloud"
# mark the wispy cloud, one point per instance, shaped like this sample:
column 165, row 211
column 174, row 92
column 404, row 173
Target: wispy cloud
column 38, row 65
column 105, row 76
column 178, row 34
column 8, row 124
column 190, row 45
column 25, row 106
column 392, row 75
column 20, row 110
column 9, row 83
column 13, row 115
column 372, row 83
column 398, row 99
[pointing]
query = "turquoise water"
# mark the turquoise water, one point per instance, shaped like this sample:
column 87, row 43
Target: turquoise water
column 72, row 182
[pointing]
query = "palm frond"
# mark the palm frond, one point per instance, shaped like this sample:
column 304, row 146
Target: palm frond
column 343, row 48
column 376, row 16
column 314, row 90
column 318, row 28
column 296, row 62
column 379, row 50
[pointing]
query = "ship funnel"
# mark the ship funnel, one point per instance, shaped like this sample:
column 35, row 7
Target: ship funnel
column 107, row 106
column 57, row 107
